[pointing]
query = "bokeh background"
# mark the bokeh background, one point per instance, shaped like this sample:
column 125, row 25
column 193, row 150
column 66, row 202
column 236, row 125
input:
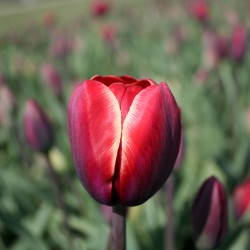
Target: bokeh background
column 200, row 48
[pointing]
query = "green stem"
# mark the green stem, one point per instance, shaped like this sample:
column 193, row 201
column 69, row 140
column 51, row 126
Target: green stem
column 60, row 200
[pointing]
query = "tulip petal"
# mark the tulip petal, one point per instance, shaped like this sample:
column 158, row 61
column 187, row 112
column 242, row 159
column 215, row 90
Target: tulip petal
column 149, row 145
column 125, row 96
column 107, row 80
column 94, row 123
column 128, row 79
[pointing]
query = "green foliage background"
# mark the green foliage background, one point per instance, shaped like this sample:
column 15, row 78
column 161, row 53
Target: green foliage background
column 213, row 112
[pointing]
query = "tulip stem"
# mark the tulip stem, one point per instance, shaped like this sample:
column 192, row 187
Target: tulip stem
column 59, row 197
column 170, row 214
column 119, row 228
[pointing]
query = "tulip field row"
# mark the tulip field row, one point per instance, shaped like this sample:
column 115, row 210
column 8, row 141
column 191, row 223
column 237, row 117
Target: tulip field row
column 118, row 113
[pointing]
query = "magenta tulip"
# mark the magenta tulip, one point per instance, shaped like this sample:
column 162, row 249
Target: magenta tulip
column 238, row 43
column 209, row 215
column 37, row 127
column 200, row 10
column 125, row 136
column 52, row 79
column 241, row 199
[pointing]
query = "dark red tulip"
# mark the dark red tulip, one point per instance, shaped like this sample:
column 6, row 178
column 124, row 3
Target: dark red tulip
column 37, row 127
column 52, row 79
column 209, row 215
column 100, row 8
column 241, row 199
column 221, row 47
column 238, row 43
column 125, row 136
column 200, row 10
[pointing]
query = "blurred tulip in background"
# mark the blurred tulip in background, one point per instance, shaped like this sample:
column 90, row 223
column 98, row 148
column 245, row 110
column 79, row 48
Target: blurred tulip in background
column 241, row 199
column 209, row 215
column 37, row 127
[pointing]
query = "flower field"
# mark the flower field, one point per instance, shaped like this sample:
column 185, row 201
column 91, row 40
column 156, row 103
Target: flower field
column 199, row 48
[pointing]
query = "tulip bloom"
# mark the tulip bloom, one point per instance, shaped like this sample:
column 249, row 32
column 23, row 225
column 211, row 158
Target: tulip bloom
column 37, row 127
column 52, row 79
column 209, row 215
column 200, row 10
column 238, row 43
column 241, row 199
column 125, row 136
column 100, row 8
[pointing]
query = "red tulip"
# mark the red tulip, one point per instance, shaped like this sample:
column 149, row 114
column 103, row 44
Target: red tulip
column 200, row 10
column 241, row 199
column 125, row 136
column 109, row 35
column 209, row 215
column 221, row 47
column 100, row 8
column 37, row 127
column 238, row 43
column 52, row 79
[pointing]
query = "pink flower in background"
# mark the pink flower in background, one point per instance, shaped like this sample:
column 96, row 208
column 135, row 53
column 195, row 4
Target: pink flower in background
column 200, row 10
column 37, row 127
column 125, row 136
column 52, row 79
column 109, row 34
column 100, row 8
column 61, row 46
column 247, row 119
column 209, row 50
column 7, row 104
column 238, row 43
column 49, row 18
column 209, row 215
column 241, row 199
column 201, row 76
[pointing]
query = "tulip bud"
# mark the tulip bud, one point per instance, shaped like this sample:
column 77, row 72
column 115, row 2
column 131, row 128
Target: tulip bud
column 221, row 47
column 52, row 79
column 200, row 10
column 100, row 8
column 109, row 35
column 238, row 43
column 209, row 215
column 241, row 199
column 125, row 136
column 60, row 46
column 37, row 127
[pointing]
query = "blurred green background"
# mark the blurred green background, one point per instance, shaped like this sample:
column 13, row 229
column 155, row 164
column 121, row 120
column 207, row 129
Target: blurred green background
column 162, row 40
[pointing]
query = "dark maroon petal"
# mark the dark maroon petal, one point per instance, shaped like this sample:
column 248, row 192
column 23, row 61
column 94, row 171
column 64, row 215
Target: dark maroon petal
column 209, row 215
